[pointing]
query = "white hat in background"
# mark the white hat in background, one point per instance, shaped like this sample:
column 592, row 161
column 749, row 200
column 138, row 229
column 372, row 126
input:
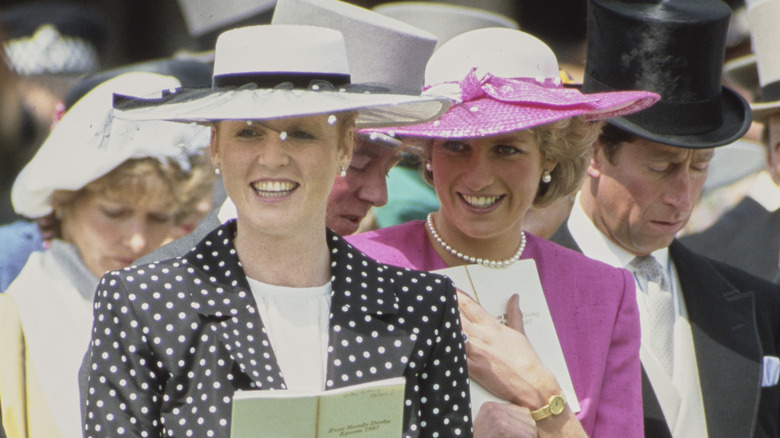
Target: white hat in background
column 765, row 34
column 274, row 71
column 89, row 142
column 381, row 50
column 444, row 20
column 204, row 16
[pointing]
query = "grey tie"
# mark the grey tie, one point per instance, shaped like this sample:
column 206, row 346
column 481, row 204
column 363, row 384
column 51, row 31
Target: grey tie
column 660, row 309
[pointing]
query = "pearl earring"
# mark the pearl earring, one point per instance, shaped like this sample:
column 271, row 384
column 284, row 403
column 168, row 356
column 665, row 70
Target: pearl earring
column 342, row 171
column 217, row 171
column 428, row 166
column 546, row 177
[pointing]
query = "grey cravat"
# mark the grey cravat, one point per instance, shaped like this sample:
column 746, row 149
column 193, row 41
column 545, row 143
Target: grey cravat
column 660, row 309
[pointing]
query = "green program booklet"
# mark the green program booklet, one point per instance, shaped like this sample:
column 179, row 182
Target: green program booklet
column 371, row 410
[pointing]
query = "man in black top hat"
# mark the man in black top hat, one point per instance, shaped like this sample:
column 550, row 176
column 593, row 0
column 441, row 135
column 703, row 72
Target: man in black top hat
column 710, row 332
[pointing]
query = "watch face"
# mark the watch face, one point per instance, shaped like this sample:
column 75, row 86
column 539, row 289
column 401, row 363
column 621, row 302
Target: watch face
column 557, row 404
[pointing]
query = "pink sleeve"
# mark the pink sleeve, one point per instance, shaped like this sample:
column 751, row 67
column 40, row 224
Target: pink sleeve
column 619, row 412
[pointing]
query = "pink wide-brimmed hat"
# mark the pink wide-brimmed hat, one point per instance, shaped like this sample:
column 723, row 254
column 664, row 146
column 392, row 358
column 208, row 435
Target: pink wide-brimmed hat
column 503, row 80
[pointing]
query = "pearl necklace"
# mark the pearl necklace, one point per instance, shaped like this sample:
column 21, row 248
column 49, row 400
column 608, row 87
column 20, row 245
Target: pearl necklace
column 470, row 259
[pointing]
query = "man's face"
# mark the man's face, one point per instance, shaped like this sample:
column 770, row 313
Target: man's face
column 364, row 186
column 646, row 194
column 773, row 146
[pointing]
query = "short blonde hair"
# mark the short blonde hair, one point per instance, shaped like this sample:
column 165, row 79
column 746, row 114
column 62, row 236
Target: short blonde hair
column 149, row 179
column 568, row 142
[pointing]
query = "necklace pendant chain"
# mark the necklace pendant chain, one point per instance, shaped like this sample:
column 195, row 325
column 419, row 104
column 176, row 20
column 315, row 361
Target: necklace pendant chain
column 476, row 260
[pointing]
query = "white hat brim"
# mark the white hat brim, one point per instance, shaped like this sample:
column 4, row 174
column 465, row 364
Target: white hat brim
column 374, row 110
column 89, row 142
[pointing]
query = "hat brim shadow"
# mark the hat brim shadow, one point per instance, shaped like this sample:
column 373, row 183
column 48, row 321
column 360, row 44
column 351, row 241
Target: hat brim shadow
column 736, row 115
column 763, row 110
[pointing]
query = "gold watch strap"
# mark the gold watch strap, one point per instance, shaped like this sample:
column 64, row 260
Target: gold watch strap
column 555, row 406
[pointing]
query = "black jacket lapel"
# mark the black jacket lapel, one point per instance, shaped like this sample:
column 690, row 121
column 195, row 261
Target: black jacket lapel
column 362, row 311
column 728, row 351
column 221, row 295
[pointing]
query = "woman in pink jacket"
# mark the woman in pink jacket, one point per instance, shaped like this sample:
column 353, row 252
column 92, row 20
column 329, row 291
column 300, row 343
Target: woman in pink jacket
column 516, row 137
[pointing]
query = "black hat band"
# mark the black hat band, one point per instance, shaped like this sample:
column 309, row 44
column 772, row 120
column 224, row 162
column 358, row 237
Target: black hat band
column 671, row 118
column 271, row 80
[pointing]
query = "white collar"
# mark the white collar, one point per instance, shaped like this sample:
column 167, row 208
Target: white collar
column 596, row 245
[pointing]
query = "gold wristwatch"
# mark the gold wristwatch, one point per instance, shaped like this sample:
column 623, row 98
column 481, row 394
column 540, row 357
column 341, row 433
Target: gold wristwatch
column 555, row 405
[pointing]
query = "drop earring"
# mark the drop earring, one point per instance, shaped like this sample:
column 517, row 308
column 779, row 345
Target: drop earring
column 342, row 171
column 546, row 177
column 217, row 170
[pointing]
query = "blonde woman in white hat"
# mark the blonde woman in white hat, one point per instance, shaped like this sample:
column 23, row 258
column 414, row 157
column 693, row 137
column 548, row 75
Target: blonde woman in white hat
column 273, row 300
column 116, row 190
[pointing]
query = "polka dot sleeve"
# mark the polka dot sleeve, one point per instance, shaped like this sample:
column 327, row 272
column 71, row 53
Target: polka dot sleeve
column 124, row 382
column 442, row 387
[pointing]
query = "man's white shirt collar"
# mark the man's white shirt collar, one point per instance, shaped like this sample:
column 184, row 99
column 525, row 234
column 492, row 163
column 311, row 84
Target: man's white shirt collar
column 596, row 245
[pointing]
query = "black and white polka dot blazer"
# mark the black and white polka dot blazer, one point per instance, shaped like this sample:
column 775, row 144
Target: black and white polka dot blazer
column 172, row 341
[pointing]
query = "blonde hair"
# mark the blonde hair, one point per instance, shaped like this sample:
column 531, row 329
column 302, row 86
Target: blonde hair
column 568, row 142
column 146, row 180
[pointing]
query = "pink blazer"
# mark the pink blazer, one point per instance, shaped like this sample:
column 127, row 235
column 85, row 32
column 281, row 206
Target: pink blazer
column 594, row 309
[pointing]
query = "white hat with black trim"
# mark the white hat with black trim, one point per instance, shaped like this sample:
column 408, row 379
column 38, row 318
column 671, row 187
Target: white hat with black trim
column 275, row 71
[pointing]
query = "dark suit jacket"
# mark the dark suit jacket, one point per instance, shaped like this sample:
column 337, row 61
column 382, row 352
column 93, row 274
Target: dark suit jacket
column 174, row 340
column 735, row 322
column 747, row 237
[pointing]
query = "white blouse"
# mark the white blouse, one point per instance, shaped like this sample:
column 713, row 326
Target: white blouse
column 296, row 320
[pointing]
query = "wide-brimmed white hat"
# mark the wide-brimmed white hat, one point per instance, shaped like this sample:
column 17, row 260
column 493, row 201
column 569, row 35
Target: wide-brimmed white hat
column 276, row 71
column 89, row 142
column 445, row 21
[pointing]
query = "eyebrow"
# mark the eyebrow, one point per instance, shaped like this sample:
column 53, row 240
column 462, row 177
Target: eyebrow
column 697, row 155
column 704, row 155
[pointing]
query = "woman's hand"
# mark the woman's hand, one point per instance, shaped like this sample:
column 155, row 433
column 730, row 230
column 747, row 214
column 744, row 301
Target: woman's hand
column 501, row 359
column 504, row 420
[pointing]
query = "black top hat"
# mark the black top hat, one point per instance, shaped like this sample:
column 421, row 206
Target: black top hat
column 676, row 49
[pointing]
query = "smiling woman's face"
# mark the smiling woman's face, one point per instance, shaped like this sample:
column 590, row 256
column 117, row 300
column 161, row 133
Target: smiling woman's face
column 279, row 172
column 485, row 185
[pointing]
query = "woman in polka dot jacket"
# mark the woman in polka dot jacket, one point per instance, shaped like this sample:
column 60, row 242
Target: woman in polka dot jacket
column 273, row 300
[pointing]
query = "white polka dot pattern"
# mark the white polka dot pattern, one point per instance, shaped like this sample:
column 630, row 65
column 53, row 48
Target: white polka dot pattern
column 173, row 341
